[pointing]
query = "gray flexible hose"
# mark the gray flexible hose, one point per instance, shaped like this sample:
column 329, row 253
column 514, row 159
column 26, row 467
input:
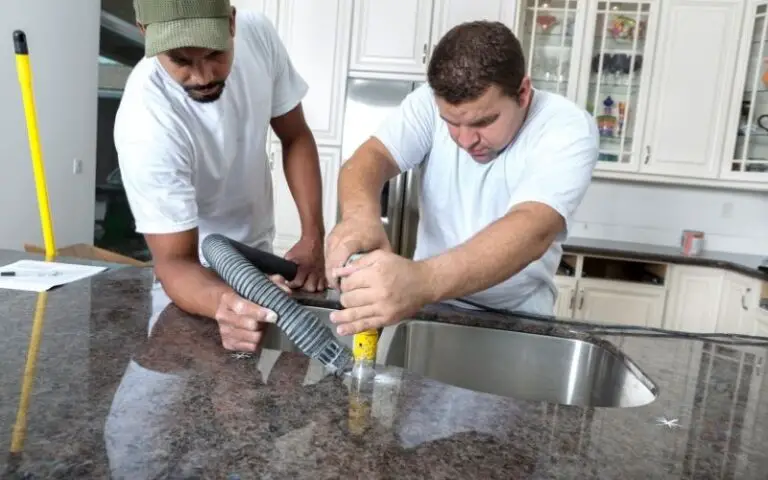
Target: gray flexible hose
column 302, row 326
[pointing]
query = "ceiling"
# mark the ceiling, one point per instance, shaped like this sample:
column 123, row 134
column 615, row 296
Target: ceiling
column 120, row 40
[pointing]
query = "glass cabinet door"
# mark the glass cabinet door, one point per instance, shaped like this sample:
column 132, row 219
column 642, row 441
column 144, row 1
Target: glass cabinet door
column 547, row 36
column 614, row 78
column 750, row 158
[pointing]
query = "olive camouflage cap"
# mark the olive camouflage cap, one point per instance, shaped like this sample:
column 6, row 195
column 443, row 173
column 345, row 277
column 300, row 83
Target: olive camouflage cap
column 183, row 23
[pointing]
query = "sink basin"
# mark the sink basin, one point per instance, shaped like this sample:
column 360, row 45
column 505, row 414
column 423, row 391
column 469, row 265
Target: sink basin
column 519, row 365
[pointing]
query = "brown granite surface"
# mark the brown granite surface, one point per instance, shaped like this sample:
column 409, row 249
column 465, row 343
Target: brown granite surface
column 118, row 391
column 737, row 262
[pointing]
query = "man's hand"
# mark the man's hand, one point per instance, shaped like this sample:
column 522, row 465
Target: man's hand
column 242, row 323
column 380, row 289
column 356, row 234
column 308, row 253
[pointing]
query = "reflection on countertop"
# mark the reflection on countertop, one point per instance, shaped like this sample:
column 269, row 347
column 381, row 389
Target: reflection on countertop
column 128, row 386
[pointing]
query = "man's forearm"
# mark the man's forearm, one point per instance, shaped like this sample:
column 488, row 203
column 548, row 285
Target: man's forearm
column 302, row 172
column 498, row 252
column 362, row 178
column 192, row 287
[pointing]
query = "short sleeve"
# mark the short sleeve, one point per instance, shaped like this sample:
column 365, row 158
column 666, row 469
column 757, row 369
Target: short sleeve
column 288, row 86
column 156, row 171
column 560, row 168
column 407, row 132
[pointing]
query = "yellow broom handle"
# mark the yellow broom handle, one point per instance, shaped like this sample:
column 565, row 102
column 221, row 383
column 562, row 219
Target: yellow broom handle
column 20, row 427
column 25, row 80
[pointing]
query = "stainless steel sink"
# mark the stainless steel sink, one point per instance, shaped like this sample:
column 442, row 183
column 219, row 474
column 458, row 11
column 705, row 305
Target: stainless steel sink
column 518, row 365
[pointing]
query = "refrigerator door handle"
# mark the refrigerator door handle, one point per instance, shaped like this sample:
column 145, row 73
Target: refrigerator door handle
column 393, row 210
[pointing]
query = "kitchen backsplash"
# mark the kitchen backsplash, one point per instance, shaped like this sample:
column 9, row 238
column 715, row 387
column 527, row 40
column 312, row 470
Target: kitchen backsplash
column 732, row 221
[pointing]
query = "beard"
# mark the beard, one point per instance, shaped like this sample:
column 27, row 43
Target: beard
column 213, row 92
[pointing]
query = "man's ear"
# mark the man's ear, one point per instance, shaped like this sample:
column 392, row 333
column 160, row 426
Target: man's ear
column 232, row 21
column 142, row 28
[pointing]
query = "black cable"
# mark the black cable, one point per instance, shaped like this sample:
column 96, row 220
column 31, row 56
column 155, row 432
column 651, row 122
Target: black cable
column 614, row 329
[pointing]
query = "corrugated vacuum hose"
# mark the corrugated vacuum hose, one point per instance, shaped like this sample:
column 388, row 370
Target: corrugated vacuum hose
column 301, row 325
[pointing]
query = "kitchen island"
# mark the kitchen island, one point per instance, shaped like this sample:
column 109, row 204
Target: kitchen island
column 125, row 386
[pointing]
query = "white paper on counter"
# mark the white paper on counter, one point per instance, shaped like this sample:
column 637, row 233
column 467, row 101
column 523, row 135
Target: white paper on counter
column 38, row 276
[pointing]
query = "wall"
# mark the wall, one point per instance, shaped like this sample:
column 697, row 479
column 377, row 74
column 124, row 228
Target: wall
column 63, row 38
column 732, row 220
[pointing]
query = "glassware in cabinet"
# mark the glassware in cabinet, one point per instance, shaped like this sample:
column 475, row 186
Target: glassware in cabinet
column 750, row 156
column 613, row 76
column 548, row 29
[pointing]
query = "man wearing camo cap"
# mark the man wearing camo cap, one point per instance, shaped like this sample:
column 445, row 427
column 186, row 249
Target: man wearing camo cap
column 190, row 135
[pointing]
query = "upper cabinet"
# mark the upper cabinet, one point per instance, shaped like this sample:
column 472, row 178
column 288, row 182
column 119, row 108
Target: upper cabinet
column 677, row 88
column 693, row 68
column 316, row 36
column 267, row 7
column 548, row 31
column 746, row 149
column 396, row 37
column 614, row 76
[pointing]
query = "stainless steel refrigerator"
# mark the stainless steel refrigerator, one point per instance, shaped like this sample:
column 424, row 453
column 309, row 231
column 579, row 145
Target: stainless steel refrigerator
column 367, row 104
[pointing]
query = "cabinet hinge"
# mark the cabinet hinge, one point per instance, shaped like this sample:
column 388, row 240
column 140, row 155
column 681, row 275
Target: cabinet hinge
column 647, row 154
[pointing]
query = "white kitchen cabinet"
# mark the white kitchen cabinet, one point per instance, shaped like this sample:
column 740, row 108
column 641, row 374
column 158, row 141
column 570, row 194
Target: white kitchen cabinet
column 287, row 221
column 449, row 13
column 746, row 146
column 693, row 68
column 396, row 37
column 614, row 76
column 566, row 296
column 694, row 299
column 738, row 304
column 316, row 36
column 550, row 34
column 391, row 36
column 622, row 303
column 267, row 7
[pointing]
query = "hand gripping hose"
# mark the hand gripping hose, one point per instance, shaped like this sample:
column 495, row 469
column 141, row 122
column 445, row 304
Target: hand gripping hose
column 302, row 326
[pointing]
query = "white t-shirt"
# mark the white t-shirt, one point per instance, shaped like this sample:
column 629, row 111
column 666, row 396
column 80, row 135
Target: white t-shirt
column 550, row 161
column 186, row 164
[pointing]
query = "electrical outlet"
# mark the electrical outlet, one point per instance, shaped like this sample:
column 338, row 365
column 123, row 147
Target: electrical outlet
column 727, row 210
column 77, row 167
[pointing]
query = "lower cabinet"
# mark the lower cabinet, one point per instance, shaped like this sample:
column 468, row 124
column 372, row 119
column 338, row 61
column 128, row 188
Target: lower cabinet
column 615, row 302
column 287, row 221
column 647, row 294
column 694, row 299
column 711, row 300
column 611, row 291
column 610, row 302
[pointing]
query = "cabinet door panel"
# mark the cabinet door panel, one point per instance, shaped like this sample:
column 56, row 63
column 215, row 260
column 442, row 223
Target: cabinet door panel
column 449, row 13
column 694, row 299
column 693, row 69
column 316, row 36
column 267, row 7
column 615, row 74
column 606, row 301
column 391, row 36
column 287, row 221
column 747, row 141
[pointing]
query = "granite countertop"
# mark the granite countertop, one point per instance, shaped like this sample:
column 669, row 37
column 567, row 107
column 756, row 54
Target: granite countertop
column 127, row 386
column 738, row 262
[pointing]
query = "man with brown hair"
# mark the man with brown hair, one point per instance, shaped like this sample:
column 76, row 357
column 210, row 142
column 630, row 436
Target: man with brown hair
column 504, row 166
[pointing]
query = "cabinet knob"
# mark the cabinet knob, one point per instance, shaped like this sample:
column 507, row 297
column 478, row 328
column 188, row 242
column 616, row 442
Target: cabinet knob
column 424, row 54
column 647, row 154
column 581, row 301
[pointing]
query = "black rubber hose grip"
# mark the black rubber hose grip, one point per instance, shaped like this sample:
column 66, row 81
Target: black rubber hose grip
column 302, row 326
column 20, row 43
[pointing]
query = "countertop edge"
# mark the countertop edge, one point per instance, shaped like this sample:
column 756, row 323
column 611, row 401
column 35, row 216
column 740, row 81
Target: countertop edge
column 702, row 261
